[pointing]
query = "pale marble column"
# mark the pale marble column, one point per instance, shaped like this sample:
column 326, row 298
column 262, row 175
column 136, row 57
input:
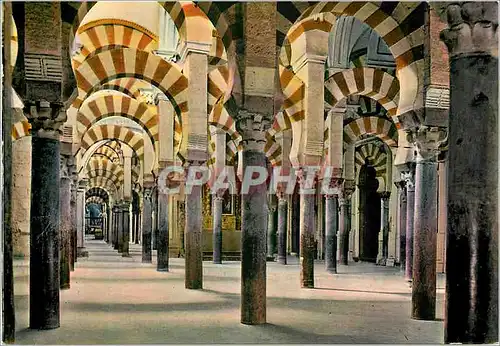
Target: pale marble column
column 401, row 185
column 471, row 314
column 409, row 178
column 383, row 249
column 21, row 190
column 282, row 228
column 345, row 220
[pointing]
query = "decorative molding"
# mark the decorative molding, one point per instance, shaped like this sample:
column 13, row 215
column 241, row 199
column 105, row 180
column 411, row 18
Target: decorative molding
column 42, row 67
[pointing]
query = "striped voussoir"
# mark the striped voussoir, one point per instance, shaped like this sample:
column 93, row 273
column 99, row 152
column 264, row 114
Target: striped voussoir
column 217, row 85
column 115, row 105
column 21, row 129
column 128, row 86
column 379, row 127
column 106, row 34
column 101, row 166
column 104, row 183
column 211, row 151
column 116, row 132
column 293, row 89
column 98, row 192
column 80, row 15
column 177, row 134
column 376, row 157
column 370, row 82
column 220, row 118
column 107, row 152
column 117, row 180
column 399, row 24
column 127, row 62
column 94, row 200
column 136, row 169
column 272, row 149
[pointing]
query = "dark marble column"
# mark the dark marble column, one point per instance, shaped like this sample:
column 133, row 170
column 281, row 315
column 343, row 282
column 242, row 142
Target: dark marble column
column 253, row 245
column 44, row 218
column 282, row 228
column 119, row 229
column 137, row 224
column 345, row 220
column 64, row 223
column 147, row 224
column 133, row 226
column 271, row 229
column 125, row 214
column 307, row 229
column 154, row 233
column 217, row 229
column 384, row 225
column 331, row 229
column 116, row 217
column 163, row 233
column 410, row 212
column 471, row 314
column 401, row 185
column 425, row 229
column 192, row 238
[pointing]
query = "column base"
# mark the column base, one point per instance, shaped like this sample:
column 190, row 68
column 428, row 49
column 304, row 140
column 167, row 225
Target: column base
column 65, row 287
column 381, row 261
column 163, row 270
column 124, row 254
column 82, row 252
column 270, row 259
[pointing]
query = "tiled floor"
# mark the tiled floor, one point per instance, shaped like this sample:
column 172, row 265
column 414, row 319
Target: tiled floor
column 116, row 300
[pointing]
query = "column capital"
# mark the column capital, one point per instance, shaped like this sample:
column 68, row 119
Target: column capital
column 64, row 169
column 385, row 195
column 193, row 47
column 472, row 28
column 348, row 188
column 82, row 184
column 45, row 118
column 409, row 178
column 427, row 141
column 252, row 127
column 400, row 184
column 336, row 183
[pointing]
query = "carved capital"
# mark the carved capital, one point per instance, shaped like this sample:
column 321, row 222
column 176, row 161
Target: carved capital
column 427, row 141
column 148, row 193
column 472, row 28
column 64, row 170
column 409, row 178
column 82, row 184
column 46, row 118
column 346, row 191
column 307, row 177
column 253, row 128
column 385, row 195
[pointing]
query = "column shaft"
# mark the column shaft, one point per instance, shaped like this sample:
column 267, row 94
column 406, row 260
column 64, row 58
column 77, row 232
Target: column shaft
column 402, row 228
column 192, row 240
column 119, row 230
column 64, row 232
column 472, row 234
column 331, row 229
column 410, row 211
column 345, row 229
column 282, row 229
column 146, row 227
column 425, row 241
column 163, row 233
column 307, row 229
column 126, row 229
column 44, row 226
column 271, row 232
column 253, row 246
column 217, row 230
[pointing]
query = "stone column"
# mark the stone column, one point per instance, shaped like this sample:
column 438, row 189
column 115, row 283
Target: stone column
column 147, row 223
column 45, row 119
column 137, row 226
column 383, row 249
column 472, row 234
column 401, row 185
column 217, row 229
column 64, row 223
column 114, row 233
column 73, row 197
column 425, row 223
column 163, row 233
column 119, row 229
column 125, row 214
column 307, row 226
column 154, row 233
column 192, row 237
column 271, row 230
column 332, row 227
column 345, row 220
column 409, row 178
column 133, row 226
column 80, row 218
column 282, row 228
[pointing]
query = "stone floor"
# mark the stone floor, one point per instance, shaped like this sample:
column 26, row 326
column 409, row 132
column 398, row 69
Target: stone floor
column 115, row 300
